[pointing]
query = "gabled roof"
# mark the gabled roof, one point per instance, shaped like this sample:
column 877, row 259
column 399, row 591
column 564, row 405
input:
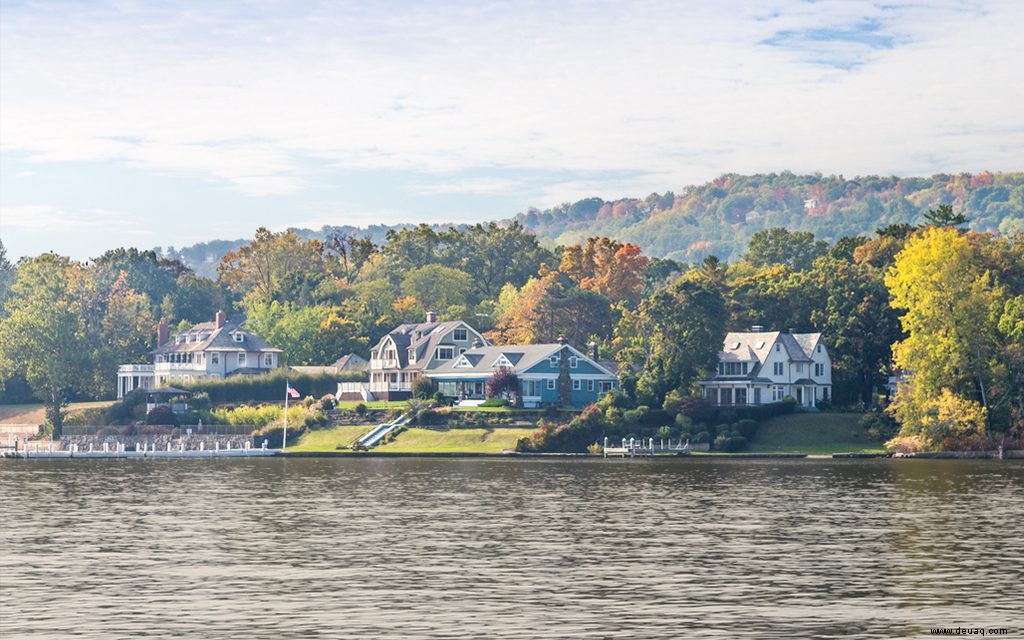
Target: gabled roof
column 421, row 337
column 523, row 357
column 350, row 362
column 747, row 346
column 218, row 339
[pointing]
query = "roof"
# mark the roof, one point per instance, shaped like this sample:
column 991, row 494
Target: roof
column 205, row 336
column 521, row 357
column 748, row 346
column 350, row 362
column 423, row 337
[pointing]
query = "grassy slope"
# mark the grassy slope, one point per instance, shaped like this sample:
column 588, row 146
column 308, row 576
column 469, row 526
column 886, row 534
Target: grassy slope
column 455, row 441
column 330, row 439
column 36, row 413
column 813, row 433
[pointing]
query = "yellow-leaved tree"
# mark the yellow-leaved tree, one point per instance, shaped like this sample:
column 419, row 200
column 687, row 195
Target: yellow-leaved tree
column 954, row 351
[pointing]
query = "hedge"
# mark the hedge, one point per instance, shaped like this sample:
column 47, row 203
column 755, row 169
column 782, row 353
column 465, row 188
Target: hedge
column 269, row 387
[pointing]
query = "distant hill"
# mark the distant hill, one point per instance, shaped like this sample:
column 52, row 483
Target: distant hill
column 720, row 216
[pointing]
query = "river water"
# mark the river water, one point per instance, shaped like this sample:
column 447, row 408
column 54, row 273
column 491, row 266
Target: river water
column 509, row 548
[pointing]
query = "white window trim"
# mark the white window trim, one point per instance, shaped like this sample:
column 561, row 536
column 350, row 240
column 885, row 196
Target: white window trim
column 551, row 383
column 577, row 384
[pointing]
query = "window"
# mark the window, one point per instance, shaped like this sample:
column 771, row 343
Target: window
column 268, row 360
column 445, row 353
column 732, row 368
column 241, row 359
column 590, row 385
column 777, row 369
column 778, row 347
column 777, row 394
column 239, row 337
column 577, row 384
column 573, row 362
column 819, row 348
column 741, row 396
column 819, row 370
column 531, row 387
column 460, row 335
column 607, row 386
column 551, row 383
column 215, row 358
column 726, row 397
column 553, row 362
column 799, row 367
column 757, row 395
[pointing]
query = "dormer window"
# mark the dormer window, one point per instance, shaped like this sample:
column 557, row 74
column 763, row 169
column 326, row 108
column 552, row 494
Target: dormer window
column 445, row 353
column 239, row 337
column 502, row 361
column 734, row 346
column 553, row 362
column 460, row 335
column 463, row 363
column 412, row 355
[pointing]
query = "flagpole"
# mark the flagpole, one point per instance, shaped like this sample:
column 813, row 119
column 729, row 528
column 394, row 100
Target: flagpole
column 284, row 437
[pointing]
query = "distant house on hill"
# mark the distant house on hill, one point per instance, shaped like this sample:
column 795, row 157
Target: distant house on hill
column 351, row 363
column 761, row 367
column 408, row 352
column 538, row 367
column 207, row 350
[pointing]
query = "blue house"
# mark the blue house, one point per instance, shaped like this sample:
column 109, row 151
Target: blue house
column 538, row 367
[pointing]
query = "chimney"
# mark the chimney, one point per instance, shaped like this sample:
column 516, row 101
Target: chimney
column 431, row 317
column 757, row 328
column 792, row 331
column 593, row 350
column 222, row 318
column 162, row 332
column 561, row 339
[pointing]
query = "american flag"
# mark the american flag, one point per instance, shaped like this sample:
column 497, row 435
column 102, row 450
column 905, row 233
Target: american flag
column 291, row 392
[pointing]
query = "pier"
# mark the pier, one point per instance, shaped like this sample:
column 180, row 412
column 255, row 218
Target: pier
column 37, row 450
column 638, row 447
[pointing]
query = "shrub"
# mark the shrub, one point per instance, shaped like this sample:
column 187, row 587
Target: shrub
column 702, row 437
column 327, row 402
column 495, row 402
column 361, row 409
column 673, row 401
column 735, row 443
column 879, row 426
column 423, row 388
column 162, row 415
column 595, row 449
column 746, row 428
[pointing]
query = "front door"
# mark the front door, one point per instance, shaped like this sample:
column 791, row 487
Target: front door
column 800, row 395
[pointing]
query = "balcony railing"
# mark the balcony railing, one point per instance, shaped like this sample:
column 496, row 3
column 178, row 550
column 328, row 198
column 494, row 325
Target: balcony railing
column 135, row 368
column 385, row 364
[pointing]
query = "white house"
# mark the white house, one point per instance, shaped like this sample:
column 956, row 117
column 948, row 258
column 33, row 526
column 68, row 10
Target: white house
column 406, row 353
column 761, row 367
column 207, row 350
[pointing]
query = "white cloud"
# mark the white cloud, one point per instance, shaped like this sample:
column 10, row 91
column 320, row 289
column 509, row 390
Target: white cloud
column 675, row 91
column 56, row 220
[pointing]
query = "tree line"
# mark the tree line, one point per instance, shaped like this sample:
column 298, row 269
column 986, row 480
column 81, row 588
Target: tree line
column 954, row 325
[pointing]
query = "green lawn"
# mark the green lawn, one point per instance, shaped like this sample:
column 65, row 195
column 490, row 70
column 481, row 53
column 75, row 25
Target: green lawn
column 813, row 433
column 455, row 441
column 330, row 439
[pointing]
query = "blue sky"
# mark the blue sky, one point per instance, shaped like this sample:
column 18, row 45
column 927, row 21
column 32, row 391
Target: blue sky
column 141, row 123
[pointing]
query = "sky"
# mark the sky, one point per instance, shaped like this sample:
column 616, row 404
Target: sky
column 153, row 123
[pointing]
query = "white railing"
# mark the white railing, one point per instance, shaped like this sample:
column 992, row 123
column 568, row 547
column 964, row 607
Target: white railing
column 135, row 368
column 384, row 364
